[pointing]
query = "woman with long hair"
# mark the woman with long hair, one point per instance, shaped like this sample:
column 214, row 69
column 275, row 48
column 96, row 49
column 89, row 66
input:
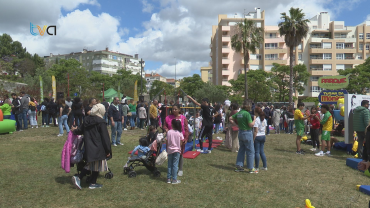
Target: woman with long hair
column 64, row 111
column 259, row 138
column 175, row 114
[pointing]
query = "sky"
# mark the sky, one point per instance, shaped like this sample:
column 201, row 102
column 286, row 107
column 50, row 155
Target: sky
column 165, row 33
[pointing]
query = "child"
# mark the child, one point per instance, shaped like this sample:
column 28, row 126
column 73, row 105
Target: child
column 315, row 128
column 152, row 134
column 142, row 149
column 142, row 117
column 197, row 124
column 173, row 144
column 327, row 127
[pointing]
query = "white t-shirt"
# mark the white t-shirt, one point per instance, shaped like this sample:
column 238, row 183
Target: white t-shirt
column 227, row 102
column 261, row 126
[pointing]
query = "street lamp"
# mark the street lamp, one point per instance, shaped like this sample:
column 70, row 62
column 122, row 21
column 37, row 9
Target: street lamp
column 141, row 80
column 175, row 70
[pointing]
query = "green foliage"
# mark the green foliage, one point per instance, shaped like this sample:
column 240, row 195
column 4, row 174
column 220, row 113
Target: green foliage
column 359, row 80
column 191, row 84
column 258, row 84
column 247, row 38
column 279, row 77
column 294, row 28
column 157, row 86
column 212, row 92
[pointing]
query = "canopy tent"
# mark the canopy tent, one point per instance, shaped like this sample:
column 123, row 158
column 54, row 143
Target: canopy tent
column 129, row 98
column 109, row 94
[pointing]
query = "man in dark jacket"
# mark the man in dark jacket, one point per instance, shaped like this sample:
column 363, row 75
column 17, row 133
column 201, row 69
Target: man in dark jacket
column 116, row 117
column 361, row 117
column 16, row 109
column 106, row 105
column 24, row 107
column 97, row 145
column 268, row 118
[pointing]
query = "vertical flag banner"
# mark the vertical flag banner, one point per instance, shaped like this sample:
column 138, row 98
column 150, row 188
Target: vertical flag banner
column 136, row 98
column 119, row 90
column 54, row 87
column 41, row 90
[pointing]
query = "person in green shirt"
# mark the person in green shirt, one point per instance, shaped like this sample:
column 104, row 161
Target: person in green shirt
column 299, row 125
column 132, row 107
column 245, row 123
column 6, row 108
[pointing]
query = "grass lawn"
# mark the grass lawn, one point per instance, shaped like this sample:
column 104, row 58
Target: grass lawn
column 31, row 176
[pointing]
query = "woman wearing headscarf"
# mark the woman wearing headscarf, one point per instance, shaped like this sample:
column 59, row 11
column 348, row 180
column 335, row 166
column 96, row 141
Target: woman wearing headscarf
column 97, row 145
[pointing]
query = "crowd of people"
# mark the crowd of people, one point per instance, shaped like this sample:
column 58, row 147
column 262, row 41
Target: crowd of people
column 245, row 127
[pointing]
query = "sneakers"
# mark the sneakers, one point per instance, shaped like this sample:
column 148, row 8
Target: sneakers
column 176, row 181
column 47, row 126
column 168, row 180
column 59, row 135
column 115, row 145
column 320, row 154
column 119, row 143
column 76, row 182
column 142, row 129
column 254, row 170
column 209, row 151
column 327, row 154
column 180, row 173
column 42, row 126
column 239, row 169
column 37, row 127
column 300, row 152
column 313, row 149
column 199, row 150
column 124, row 129
column 264, row 168
column 94, row 186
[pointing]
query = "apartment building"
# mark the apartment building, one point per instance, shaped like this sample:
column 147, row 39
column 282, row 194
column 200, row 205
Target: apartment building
column 206, row 74
column 103, row 61
column 150, row 78
column 329, row 47
column 174, row 83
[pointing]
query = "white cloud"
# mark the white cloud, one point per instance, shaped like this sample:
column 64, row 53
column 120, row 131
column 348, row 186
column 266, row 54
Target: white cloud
column 368, row 17
column 147, row 7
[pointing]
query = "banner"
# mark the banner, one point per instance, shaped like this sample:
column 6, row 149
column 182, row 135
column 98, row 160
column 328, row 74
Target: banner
column 41, row 90
column 334, row 82
column 351, row 102
column 331, row 96
column 136, row 98
column 53, row 85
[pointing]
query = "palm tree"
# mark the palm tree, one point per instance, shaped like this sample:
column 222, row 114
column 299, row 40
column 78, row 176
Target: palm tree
column 294, row 28
column 247, row 38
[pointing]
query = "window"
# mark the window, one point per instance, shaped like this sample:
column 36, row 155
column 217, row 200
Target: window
column 115, row 57
column 270, row 45
column 272, row 35
column 271, row 56
column 361, row 47
column 340, row 56
column 300, row 56
column 340, row 45
column 326, row 67
column 359, row 57
column 258, row 57
column 315, row 89
column 314, row 27
column 326, row 45
column 314, row 79
column 300, row 46
column 340, row 67
column 367, row 46
column 327, row 55
column 87, row 57
column 361, row 36
column 367, row 35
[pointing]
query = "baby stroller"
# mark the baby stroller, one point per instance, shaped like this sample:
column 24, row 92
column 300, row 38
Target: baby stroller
column 148, row 161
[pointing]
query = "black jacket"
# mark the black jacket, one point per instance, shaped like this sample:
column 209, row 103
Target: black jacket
column 17, row 106
column 52, row 107
column 114, row 113
column 96, row 138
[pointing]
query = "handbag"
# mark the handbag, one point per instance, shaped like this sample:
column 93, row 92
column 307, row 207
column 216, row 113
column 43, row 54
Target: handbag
column 129, row 114
column 161, row 158
column 235, row 128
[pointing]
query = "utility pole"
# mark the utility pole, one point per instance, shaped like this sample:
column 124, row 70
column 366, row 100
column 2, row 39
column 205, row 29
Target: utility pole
column 141, row 79
column 175, row 70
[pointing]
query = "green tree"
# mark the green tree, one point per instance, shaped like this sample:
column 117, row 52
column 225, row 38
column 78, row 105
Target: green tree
column 26, row 66
column 258, row 84
column 294, row 28
column 248, row 37
column 210, row 91
column 191, row 84
column 359, row 80
column 157, row 86
column 279, row 80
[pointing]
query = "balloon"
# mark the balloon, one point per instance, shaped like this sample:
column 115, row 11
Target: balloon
column 304, row 138
column 340, row 103
column 342, row 111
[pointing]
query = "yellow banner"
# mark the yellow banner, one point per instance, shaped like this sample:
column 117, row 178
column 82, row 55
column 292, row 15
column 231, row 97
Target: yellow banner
column 136, row 98
column 54, row 87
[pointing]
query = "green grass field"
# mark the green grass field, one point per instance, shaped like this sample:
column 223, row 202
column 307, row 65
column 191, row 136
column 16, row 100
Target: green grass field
column 31, row 176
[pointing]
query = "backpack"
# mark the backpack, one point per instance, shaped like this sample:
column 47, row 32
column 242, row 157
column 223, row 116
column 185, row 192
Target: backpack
column 32, row 108
column 290, row 114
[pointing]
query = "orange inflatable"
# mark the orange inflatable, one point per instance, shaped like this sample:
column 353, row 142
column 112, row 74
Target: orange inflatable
column 1, row 115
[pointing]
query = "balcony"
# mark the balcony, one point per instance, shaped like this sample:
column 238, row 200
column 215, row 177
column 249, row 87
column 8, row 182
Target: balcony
column 225, row 60
column 319, row 49
column 269, row 39
column 346, row 50
column 323, row 72
column 225, row 72
column 225, row 49
column 349, row 60
column 315, row 39
column 320, row 60
column 253, row 61
column 226, row 38
column 210, row 46
column 270, row 61
column 210, row 54
column 225, row 28
column 274, row 50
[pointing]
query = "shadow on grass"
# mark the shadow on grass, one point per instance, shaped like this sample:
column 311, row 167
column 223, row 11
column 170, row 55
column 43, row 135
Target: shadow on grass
column 63, row 179
column 229, row 166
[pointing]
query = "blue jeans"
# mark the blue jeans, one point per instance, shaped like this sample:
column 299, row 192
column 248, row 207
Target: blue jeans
column 45, row 118
column 105, row 117
column 259, row 143
column 23, row 116
column 173, row 165
column 116, row 131
column 246, row 148
column 125, row 122
column 63, row 120
column 7, row 117
column 217, row 127
column 290, row 126
column 133, row 119
column 32, row 115
column 267, row 128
